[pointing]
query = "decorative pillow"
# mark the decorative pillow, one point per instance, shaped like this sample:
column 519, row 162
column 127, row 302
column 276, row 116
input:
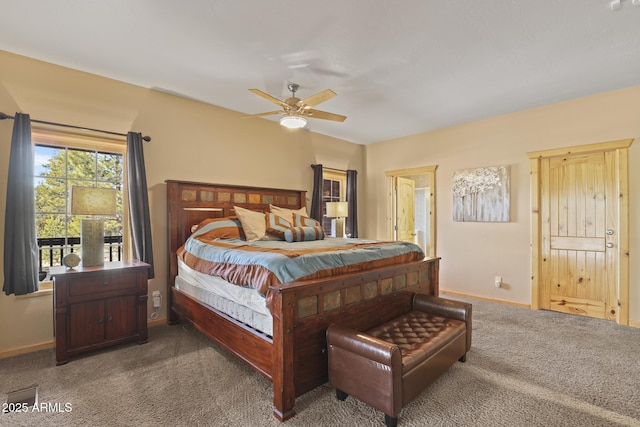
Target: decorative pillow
column 253, row 223
column 287, row 213
column 304, row 221
column 303, row 234
column 276, row 225
column 220, row 228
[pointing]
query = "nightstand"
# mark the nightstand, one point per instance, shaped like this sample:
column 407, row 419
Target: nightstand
column 101, row 306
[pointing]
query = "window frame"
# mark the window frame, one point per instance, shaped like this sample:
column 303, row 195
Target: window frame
column 44, row 136
column 333, row 175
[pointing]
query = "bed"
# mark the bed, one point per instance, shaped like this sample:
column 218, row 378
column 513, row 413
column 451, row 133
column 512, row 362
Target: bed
column 292, row 353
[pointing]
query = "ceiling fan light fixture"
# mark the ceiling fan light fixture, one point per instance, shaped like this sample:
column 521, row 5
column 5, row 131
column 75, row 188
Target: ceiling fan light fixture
column 293, row 122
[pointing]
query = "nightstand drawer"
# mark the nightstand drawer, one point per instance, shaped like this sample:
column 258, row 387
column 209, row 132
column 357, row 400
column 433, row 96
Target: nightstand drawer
column 102, row 283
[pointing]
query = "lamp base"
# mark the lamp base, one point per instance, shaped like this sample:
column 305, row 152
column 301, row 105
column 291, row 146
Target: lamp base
column 92, row 242
column 337, row 227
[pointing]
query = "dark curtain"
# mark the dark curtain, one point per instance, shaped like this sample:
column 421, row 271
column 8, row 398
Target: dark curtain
column 139, row 217
column 20, row 238
column 316, row 197
column 351, row 222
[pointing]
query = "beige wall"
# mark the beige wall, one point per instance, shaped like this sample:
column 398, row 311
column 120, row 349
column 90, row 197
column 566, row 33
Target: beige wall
column 198, row 142
column 473, row 253
column 191, row 141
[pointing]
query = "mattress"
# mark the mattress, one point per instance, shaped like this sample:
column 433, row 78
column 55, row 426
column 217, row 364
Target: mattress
column 244, row 304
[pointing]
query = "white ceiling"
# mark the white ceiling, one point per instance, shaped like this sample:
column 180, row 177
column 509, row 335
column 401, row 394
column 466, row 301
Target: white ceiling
column 399, row 67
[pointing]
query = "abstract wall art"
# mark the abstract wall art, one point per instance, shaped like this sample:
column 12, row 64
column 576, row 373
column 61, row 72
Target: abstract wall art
column 481, row 194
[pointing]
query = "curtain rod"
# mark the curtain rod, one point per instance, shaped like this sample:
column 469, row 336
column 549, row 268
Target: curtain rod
column 4, row 116
column 330, row 169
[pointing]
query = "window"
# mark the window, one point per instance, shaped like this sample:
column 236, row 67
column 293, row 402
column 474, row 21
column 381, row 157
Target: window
column 62, row 161
column 334, row 186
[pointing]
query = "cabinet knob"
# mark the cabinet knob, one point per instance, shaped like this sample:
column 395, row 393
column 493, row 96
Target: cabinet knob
column 100, row 321
column 109, row 319
column 105, row 283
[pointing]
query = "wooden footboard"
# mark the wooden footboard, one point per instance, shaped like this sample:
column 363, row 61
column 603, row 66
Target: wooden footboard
column 302, row 311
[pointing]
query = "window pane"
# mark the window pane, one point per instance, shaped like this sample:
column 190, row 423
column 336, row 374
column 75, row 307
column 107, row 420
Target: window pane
column 109, row 167
column 326, row 188
column 50, row 225
column 50, row 161
column 112, row 227
column 335, row 190
column 82, row 164
column 73, row 226
column 51, row 195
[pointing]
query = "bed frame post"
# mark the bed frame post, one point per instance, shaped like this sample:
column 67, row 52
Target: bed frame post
column 434, row 278
column 284, row 393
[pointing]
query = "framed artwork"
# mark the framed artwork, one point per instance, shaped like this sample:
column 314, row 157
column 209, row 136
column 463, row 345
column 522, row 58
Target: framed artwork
column 481, row 194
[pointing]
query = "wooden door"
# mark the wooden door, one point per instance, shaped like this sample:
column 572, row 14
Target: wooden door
column 579, row 245
column 405, row 209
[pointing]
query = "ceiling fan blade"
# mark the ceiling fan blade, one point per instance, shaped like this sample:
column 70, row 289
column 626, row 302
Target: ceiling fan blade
column 262, row 114
column 317, row 114
column 268, row 97
column 319, row 97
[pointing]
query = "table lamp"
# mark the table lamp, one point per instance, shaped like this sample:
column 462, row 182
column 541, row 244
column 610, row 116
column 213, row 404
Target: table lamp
column 92, row 201
column 339, row 211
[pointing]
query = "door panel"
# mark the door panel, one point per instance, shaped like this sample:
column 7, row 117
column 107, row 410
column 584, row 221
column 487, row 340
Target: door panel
column 121, row 317
column 87, row 321
column 405, row 190
column 578, row 206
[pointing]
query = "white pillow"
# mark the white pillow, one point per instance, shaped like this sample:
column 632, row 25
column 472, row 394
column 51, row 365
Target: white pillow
column 287, row 213
column 253, row 223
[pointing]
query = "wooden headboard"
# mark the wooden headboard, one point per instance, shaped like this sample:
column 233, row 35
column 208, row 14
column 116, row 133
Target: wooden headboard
column 189, row 203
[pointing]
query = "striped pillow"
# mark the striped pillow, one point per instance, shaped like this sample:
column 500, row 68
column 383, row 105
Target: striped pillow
column 220, row 228
column 303, row 234
column 276, row 225
column 287, row 213
column 304, row 221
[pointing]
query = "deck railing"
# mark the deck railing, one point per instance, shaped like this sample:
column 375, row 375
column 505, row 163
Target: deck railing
column 52, row 250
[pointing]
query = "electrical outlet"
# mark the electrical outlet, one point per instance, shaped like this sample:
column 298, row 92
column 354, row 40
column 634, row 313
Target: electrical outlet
column 498, row 281
column 157, row 298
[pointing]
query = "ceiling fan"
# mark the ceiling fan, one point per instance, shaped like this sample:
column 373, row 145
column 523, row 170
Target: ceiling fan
column 295, row 109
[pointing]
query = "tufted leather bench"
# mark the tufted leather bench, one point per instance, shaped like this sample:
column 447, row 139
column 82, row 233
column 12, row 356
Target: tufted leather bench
column 389, row 365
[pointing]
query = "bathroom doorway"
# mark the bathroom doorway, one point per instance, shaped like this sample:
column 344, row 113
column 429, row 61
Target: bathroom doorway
column 412, row 207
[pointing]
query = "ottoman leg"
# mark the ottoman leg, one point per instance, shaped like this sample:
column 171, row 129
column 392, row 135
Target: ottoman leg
column 341, row 395
column 390, row 421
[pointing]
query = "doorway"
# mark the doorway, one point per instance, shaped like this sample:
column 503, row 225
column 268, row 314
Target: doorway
column 580, row 256
column 412, row 207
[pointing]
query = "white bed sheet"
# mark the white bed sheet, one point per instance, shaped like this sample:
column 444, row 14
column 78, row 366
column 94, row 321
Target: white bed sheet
column 243, row 304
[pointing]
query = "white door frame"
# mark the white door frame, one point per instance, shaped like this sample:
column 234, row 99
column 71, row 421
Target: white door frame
column 430, row 171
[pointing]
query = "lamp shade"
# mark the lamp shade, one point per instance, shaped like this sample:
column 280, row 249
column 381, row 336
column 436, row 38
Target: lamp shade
column 93, row 201
column 337, row 209
column 293, row 122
